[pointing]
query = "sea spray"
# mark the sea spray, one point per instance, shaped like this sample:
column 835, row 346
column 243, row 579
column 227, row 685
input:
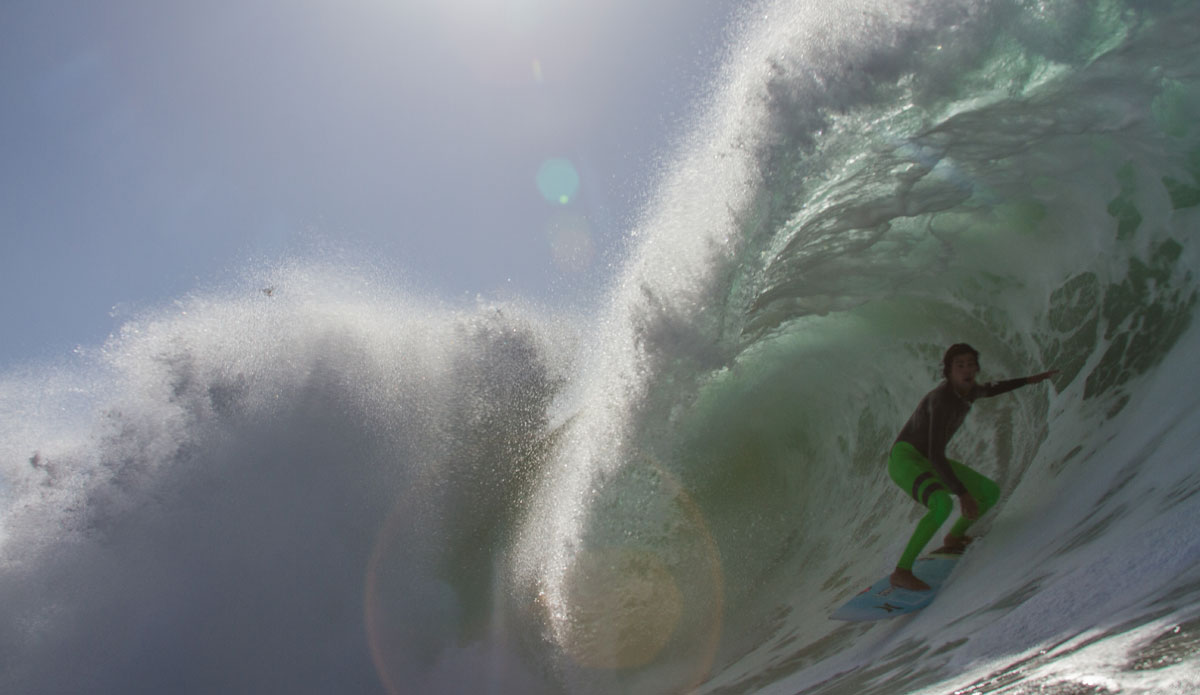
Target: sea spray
column 236, row 496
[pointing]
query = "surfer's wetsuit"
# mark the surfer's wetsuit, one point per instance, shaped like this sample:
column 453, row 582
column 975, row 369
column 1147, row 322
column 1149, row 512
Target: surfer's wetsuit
column 918, row 462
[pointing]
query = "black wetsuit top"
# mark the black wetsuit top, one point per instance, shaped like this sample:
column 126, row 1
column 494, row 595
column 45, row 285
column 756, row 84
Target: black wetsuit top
column 939, row 415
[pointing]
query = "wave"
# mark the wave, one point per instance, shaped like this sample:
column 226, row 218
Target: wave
column 337, row 484
column 1020, row 178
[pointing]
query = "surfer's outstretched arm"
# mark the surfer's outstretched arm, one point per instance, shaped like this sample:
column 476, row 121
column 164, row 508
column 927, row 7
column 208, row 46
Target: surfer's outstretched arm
column 995, row 388
column 1040, row 377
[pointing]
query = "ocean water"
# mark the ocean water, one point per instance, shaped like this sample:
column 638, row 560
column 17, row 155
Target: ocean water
column 345, row 487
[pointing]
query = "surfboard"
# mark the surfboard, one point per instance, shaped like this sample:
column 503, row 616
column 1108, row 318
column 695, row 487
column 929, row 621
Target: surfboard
column 882, row 600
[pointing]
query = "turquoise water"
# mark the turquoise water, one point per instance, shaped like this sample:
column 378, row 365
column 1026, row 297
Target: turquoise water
column 344, row 488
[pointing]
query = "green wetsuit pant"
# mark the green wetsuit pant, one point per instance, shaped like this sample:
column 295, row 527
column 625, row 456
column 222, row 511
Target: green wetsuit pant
column 915, row 475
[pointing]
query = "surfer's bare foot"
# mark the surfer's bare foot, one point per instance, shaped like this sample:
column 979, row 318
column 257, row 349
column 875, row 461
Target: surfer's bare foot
column 905, row 579
column 954, row 545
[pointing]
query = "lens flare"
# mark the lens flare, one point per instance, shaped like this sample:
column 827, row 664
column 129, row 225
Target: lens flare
column 558, row 180
column 624, row 608
column 643, row 592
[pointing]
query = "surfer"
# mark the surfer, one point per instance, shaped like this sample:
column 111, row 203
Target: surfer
column 918, row 462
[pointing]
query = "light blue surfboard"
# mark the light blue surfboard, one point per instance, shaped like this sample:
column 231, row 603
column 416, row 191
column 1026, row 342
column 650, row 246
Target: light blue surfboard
column 883, row 600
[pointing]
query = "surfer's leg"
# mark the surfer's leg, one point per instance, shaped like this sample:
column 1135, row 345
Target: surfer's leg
column 985, row 491
column 940, row 506
column 913, row 473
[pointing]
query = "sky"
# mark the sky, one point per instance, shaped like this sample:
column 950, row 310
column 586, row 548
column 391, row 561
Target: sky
column 495, row 148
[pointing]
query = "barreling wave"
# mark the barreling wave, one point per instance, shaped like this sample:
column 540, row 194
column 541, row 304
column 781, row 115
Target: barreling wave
column 338, row 484
column 874, row 184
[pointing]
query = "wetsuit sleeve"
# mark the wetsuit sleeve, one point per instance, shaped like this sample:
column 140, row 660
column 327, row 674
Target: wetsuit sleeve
column 995, row 388
column 939, row 427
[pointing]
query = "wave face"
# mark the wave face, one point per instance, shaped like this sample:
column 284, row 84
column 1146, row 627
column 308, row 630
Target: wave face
column 343, row 488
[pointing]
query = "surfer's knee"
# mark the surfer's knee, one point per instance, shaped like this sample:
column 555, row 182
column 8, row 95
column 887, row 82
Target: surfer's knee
column 940, row 506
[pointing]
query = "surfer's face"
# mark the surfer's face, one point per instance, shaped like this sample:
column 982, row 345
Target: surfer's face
column 963, row 370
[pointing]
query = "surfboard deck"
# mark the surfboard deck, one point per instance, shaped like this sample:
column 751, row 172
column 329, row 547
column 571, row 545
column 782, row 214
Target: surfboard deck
column 882, row 600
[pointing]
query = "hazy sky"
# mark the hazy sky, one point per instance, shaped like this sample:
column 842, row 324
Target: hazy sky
column 498, row 147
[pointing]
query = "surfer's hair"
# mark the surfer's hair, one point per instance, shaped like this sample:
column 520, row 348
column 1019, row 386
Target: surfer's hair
column 954, row 351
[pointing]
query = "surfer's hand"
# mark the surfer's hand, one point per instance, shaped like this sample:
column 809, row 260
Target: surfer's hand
column 1040, row 377
column 970, row 508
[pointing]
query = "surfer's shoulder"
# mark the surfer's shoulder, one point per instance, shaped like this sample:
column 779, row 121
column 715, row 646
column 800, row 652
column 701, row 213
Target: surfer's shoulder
column 942, row 392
